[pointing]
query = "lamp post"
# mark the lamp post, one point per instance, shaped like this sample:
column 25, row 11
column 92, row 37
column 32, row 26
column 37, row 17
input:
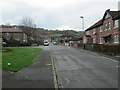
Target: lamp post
column 83, row 29
column 82, row 22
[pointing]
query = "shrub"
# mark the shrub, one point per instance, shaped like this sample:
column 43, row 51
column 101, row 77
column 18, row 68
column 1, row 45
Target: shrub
column 12, row 42
column 24, row 44
column 108, row 49
column 32, row 41
column 40, row 42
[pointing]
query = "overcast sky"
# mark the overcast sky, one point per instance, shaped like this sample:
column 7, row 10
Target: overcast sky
column 56, row 14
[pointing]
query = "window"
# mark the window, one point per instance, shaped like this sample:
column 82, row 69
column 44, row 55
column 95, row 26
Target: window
column 116, row 38
column 105, row 26
column 116, row 24
column 101, row 40
column 101, row 28
column 94, row 31
column 94, row 40
column 109, row 25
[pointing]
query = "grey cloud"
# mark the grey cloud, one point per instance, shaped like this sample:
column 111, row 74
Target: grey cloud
column 52, row 18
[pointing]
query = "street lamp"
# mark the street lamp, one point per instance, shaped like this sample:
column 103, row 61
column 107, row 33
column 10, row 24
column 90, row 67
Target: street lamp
column 83, row 29
column 82, row 22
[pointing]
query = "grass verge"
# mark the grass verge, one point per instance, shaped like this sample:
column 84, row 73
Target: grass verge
column 21, row 57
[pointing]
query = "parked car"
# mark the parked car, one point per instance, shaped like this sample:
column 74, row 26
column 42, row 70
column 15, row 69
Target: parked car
column 55, row 43
column 46, row 43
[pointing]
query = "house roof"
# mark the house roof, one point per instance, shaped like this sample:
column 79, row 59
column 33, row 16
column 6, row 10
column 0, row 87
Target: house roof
column 95, row 25
column 114, row 14
column 12, row 30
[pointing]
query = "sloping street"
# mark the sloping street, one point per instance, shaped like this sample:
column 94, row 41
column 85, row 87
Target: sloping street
column 77, row 68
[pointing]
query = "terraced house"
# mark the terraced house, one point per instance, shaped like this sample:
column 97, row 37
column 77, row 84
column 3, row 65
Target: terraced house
column 105, row 31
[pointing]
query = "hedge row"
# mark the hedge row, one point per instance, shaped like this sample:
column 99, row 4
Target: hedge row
column 14, row 43
column 107, row 49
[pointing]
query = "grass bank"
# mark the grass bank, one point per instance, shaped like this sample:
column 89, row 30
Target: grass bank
column 20, row 57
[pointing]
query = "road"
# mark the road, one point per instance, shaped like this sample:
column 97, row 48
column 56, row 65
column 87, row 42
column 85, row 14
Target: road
column 77, row 68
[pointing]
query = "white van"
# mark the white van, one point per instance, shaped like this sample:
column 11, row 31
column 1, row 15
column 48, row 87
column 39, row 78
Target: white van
column 46, row 43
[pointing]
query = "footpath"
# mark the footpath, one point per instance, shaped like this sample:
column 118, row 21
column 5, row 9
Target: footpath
column 38, row 75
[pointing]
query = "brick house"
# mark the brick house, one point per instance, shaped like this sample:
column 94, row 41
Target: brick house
column 105, row 31
column 13, row 33
column 64, row 38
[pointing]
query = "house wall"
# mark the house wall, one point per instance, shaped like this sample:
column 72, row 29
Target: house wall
column 87, row 40
column 113, row 31
column 15, row 36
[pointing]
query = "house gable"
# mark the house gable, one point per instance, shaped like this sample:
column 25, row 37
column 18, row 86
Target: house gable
column 107, row 16
column 111, row 14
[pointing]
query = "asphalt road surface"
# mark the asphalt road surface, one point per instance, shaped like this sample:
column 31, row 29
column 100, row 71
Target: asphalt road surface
column 77, row 68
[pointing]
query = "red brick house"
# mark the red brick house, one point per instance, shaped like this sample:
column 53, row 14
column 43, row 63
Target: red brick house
column 13, row 33
column 65, row 38
column 105, row 31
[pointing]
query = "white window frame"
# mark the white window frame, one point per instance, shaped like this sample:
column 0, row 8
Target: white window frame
column 94, row 40
column 106, row 26
column 116, row 23
column 109, row 25
column 101, row 40
column 101, row 28
column 94, row 30
column 116, row 38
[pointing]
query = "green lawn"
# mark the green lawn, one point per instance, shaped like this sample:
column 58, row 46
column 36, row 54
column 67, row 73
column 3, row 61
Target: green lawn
column 56, row 35
column 21, row 57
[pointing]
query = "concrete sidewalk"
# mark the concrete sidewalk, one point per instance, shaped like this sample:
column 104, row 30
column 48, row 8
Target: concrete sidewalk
column 38, row 75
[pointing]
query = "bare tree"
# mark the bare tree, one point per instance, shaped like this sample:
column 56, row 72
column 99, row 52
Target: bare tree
column 28, row 27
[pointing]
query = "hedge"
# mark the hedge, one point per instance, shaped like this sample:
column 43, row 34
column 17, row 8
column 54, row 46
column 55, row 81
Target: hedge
column 12, row 43
column 24, row 44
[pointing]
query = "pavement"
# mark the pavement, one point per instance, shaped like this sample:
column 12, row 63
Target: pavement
column 38, row 75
